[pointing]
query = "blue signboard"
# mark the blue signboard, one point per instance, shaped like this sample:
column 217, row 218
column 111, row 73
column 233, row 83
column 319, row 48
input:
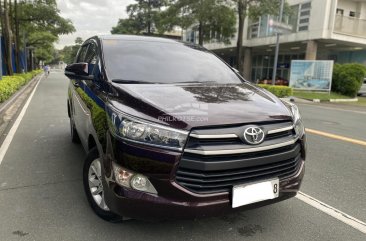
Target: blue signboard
column 311, row 74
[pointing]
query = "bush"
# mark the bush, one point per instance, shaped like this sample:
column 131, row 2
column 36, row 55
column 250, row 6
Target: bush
column 10, row 84
column 277, row 90
column 348, row 78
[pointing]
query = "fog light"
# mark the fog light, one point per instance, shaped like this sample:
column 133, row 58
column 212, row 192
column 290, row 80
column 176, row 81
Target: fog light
column 122, row 175
column 141, row 183
column 127, row 178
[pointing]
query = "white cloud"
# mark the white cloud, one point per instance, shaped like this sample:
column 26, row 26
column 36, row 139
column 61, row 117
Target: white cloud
column 91, row 17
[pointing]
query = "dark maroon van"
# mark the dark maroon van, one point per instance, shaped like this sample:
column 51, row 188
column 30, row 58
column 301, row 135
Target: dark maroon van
column 172, row 131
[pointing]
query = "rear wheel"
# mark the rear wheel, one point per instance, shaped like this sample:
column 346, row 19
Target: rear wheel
column 93, row 186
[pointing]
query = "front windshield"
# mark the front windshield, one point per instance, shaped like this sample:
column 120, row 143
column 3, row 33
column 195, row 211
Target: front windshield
column 164, row 62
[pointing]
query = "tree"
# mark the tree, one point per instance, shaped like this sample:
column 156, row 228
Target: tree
column 127, row 26
column 79, row 41
column 7, row 33
column 40, row 20
column 253, row 9
column 215, row 19
column 143, row 16
column 68, row 53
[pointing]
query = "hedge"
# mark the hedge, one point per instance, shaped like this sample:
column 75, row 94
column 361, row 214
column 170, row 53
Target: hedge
column 277, row 90
column 10, row 84
column 348, row 78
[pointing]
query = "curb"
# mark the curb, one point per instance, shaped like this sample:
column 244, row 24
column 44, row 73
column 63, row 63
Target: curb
column 344, row 100
column 8, row 102
column 324, row 101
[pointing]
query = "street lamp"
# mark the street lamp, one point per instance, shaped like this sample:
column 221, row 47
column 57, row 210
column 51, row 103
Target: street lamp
column 277, row 45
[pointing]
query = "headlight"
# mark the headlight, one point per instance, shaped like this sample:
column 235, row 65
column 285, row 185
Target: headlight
column 144, row 132
column 298, row 124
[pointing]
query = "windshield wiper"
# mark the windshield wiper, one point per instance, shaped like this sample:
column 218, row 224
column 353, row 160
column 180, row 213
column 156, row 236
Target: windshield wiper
column 125, row 81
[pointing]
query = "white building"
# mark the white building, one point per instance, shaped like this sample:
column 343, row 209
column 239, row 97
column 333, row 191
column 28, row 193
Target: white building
column 322, row 30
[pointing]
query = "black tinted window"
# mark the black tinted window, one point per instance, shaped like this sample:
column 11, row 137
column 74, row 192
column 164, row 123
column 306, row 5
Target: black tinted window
column 81, row 54
column 91, row 54
column 159, row 62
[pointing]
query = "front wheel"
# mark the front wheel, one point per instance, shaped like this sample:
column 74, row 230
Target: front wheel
column 93, row 186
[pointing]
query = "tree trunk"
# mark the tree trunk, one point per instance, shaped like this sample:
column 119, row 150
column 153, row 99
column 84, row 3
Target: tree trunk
column 200, row 34
column 242, row 13
column 17, row 38
column 149, row 18
column 7, row 40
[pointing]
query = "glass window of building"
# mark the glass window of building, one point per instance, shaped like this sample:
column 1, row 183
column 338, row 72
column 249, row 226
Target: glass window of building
column 304, row 16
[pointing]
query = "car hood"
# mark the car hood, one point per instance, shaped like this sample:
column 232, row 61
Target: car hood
column 186, row 106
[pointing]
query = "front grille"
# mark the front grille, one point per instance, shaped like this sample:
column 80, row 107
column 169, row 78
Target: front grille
column 203, row 172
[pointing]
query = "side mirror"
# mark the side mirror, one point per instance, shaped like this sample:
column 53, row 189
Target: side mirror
column 77, row 71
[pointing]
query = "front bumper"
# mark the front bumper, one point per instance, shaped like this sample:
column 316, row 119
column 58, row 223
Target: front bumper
column 144, row 206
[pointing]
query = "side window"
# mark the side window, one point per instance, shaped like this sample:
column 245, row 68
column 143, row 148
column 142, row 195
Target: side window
column 81, row 54
column 91, row 54
column 91, row 57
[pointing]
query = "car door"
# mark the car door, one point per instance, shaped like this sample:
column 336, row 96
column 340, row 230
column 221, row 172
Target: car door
column 97, row 90
column 80, row 110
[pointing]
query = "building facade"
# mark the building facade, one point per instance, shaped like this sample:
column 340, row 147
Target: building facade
column 320, row 30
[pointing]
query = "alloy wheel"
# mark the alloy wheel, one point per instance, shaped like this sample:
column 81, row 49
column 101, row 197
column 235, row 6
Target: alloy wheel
column 96, row 185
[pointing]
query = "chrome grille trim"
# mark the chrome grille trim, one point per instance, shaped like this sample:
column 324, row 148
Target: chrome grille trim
column 223, row 136
column 280, row 130
column 227, row 136
column 240, row 151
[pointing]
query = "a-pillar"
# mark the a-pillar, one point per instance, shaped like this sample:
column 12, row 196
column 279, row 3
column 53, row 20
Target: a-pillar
column 247, row 68
column 311, row 50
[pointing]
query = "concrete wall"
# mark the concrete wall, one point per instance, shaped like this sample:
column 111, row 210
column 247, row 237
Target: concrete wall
column 348, row 6
column 319, row 27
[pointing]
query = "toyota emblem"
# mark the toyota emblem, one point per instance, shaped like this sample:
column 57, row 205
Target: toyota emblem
column 254, row 135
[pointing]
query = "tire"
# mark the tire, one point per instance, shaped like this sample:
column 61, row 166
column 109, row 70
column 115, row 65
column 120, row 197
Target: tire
column 92, row 180
column 74, row 134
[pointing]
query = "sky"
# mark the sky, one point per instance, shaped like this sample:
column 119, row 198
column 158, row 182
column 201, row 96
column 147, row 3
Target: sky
column 90, row 17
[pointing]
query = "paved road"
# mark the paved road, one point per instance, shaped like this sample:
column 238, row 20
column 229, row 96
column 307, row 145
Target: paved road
column 41, row 194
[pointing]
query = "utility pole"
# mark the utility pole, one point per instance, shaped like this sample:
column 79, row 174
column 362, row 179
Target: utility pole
column 277, row 45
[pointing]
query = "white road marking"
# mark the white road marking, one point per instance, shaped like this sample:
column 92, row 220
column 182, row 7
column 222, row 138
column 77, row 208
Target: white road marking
column 335, row 213
column 4, row 147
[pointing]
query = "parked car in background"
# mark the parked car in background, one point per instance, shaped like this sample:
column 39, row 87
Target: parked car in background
column 171, row 131
column 362, row 91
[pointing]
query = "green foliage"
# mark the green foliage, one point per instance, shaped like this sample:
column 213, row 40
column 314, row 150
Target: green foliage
column 279, row 91
column 215, row 19
column 348, row 78
column 322, row 96
column 143, row 17
column 10, row 84
column 68, row 53
column 257, row 8
column 44, row 16
column 42, row 23
column 127, row 26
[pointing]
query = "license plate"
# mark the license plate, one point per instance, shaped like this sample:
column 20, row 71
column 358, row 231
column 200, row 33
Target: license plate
column 255, row 192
